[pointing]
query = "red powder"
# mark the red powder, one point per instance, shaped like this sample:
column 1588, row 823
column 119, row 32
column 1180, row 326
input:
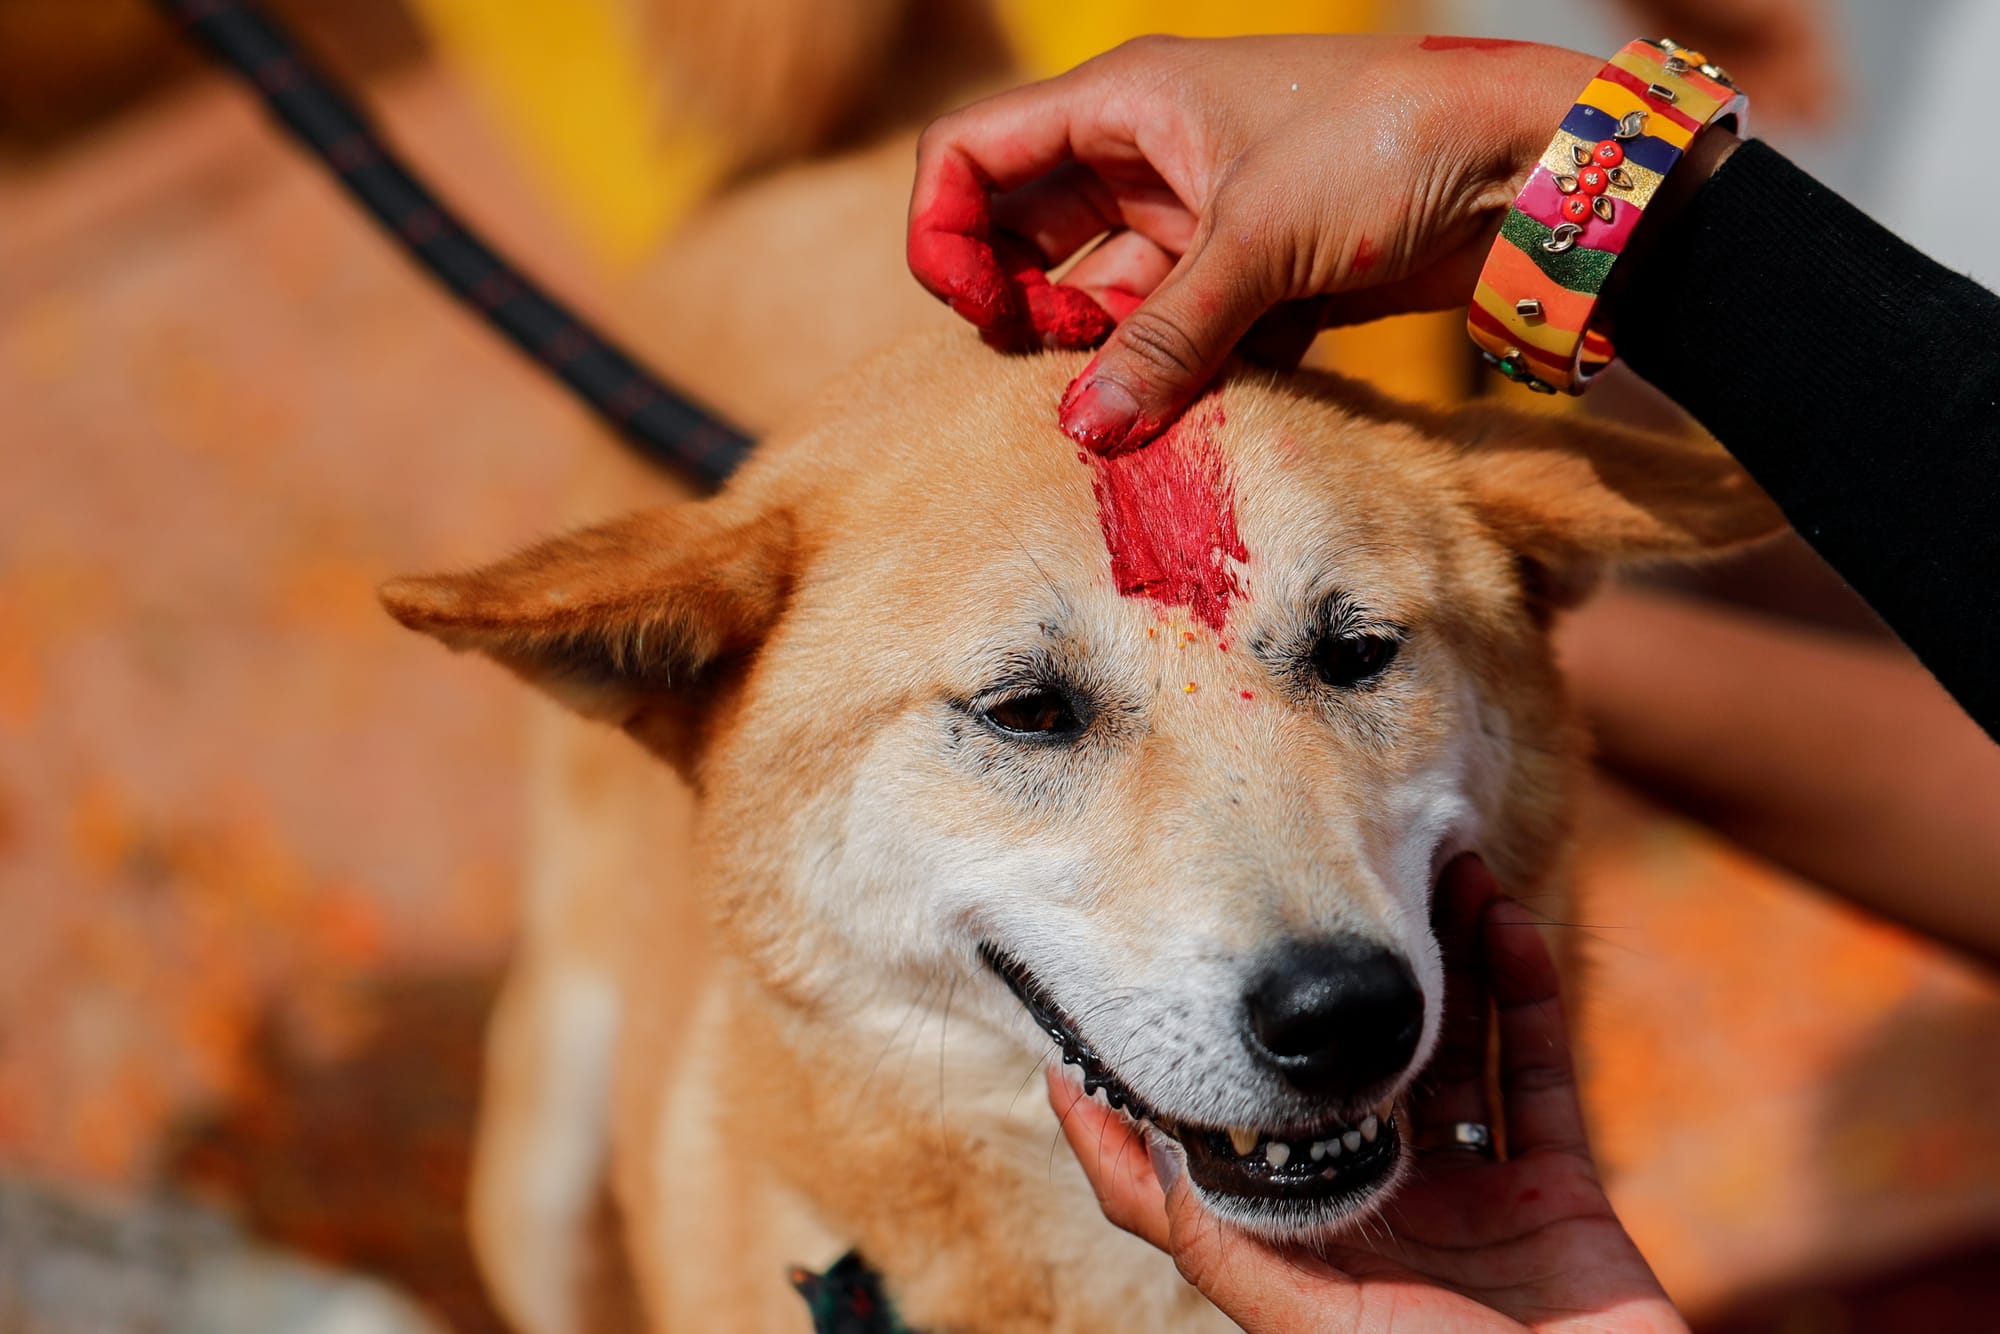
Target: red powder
column 1248, row 695
column 952, row 252
column 1119, row 301
column 1060, row 315
column 1467, row 43
column 1168, row 513
column 950, row 249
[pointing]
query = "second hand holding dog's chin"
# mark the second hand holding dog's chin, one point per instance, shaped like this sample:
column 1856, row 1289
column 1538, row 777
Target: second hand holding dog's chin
column 1462, row 1218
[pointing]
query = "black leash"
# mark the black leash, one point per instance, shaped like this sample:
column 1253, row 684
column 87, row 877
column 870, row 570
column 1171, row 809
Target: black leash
column 666, row 426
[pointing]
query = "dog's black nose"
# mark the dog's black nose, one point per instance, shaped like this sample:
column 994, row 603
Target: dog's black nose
column 1336, row 1017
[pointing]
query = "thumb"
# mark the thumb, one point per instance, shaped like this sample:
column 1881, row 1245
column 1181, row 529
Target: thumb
column 1262, row 1289
column 1162, row 353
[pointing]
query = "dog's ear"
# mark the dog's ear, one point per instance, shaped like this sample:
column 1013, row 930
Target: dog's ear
column 1573, row 495
column 633, row 622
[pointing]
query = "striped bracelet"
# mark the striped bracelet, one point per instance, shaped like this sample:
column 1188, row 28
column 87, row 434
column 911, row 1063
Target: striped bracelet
column 1531, row 312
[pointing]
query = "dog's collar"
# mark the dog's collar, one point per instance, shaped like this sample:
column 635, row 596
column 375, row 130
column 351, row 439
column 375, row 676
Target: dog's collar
column 848, row 1299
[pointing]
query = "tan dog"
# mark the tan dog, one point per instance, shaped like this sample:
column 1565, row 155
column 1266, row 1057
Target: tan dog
column 1159, row 755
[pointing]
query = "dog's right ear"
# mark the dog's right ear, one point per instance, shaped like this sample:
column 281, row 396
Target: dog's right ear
column 632, row 622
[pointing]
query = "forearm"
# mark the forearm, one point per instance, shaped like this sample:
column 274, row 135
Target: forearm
column 1857, row 381
column 1839, row 759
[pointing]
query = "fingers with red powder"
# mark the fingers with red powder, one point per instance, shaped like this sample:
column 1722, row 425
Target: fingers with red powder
column 950, row 243
column 1167, row 348
column 962, row 249
column 1256, row 186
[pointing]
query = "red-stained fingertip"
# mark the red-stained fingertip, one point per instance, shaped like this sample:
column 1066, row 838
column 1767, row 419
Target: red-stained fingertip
column 1119, row 302
column 1065, row 316
column 950, row 249
column 1099, row 415
column 963, row 272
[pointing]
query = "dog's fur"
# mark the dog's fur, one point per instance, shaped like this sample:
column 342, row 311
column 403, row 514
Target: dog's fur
column 811, row 648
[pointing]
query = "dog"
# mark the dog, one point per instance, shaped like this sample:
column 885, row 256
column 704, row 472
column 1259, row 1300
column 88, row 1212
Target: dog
column 1003, row 753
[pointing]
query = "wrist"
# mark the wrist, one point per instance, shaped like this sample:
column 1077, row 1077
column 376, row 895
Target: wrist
column 1542, row 305
column 1532, row 100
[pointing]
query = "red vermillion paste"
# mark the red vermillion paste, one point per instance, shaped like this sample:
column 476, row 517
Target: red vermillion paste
column 950, row 247
column 1168, row 512
column 1008, row 297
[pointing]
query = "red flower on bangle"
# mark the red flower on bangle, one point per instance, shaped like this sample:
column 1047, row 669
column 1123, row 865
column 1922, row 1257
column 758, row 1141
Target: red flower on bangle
column 1599, row 168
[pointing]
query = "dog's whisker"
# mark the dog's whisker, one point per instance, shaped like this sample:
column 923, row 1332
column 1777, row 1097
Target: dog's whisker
column 895, row 1035
column 1034, row 1068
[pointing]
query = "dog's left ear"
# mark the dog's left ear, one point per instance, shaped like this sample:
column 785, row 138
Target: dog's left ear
column 1574, row 495
column 632, row 622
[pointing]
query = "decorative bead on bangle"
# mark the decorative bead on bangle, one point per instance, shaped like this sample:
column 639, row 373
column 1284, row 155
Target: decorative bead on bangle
column 1532, row 311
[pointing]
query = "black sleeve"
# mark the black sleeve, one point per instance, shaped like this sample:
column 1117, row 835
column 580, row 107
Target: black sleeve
column 1858, row 381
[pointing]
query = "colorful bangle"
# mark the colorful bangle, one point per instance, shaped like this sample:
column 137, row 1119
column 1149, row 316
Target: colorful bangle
column 1531, row 313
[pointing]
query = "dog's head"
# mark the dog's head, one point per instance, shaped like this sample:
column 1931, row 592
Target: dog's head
column 1173, row 745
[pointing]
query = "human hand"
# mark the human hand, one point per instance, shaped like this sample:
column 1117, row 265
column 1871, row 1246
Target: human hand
column 1470, row 1242
column 1333, row 178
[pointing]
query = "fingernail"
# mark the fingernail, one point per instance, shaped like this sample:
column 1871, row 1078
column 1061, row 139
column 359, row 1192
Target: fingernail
column 1099, row 415
column 1166, row 1163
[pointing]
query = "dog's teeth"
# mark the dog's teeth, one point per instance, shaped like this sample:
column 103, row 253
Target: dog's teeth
column 1277, row 1153
column 1242, row 1140
column 1370, row 1129
column 1352, row 1139
column 1333, row 1147
column 1318, row 1150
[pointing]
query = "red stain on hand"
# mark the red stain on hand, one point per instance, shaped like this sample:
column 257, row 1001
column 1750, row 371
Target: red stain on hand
column 1119, row 301
column 1366, row 257
column 1168, row 512
column 999, row 289
column 1060, row 315
column 950, row 248
column 1467, row 43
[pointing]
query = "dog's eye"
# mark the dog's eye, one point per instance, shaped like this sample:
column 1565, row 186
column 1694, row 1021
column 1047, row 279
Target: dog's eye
column 1036, row 713
column 1349, row 660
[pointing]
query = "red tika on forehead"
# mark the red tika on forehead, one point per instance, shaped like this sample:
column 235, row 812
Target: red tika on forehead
column 1168, row 512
